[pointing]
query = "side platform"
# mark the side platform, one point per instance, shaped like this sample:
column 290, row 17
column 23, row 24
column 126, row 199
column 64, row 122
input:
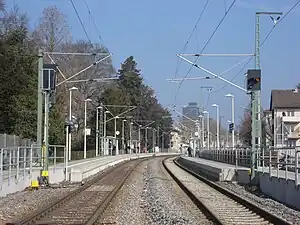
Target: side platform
column 279, row 185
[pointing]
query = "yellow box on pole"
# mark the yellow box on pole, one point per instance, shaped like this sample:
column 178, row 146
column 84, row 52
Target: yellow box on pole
column 45, row 173
column 35, row 184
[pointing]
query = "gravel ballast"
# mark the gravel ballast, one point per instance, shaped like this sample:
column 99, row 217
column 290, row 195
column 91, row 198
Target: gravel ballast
column 16, row 206
column 151, row 196
column 271, row 205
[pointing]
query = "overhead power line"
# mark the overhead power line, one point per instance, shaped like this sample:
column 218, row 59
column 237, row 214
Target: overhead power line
column 210, row 38
column 279, row 21
column 262, row 43
column 82, row 25
column 95, row 25
column 190, row 36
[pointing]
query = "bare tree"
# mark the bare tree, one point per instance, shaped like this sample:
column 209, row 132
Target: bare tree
column 12, row 20
column 245, row 128
column 53, row 29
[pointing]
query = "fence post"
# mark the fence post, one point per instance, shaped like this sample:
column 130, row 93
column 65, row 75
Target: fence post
column 296, row 168
column 1, row 168
column 4, row 140
column 18, row 163
column 54, row 160
column 25, row 160
column 270, row 162
column 263, row 160
column 10, row 165
column 30, row 162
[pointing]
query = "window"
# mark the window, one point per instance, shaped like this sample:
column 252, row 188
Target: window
column 291, row 113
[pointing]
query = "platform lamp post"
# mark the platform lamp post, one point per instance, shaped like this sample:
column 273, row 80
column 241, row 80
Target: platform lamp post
column 153, row 139
column 104, row 130
column 146, row 137
column 130, row 135
column 201, row 133
column 85, row 118
column 232, row 117
column 139, row 145
column 207, row 123
column 163, row 141
column 97, row 130
column 123, row 131
column 232, row 128
column 70, row 119
column 218, row 126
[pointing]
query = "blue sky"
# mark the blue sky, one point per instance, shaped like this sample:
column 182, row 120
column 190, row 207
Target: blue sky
column 155, row 31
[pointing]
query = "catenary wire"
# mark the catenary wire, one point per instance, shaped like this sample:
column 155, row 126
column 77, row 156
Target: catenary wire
column 190, row 36
column 210, row 38
column 262, row 43
column 95, row 25
column 82, row 25
column 284, row 16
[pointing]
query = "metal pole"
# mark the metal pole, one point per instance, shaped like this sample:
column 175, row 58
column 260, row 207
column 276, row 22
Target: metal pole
column 45, row 128
column 70, row 118
column 232, row 120
column 100, row 134
column 84, row 144
column 202, row 130
column 130, row 127
column 255, row 105
column 66, row 153
column 97, row 131
column 199, row 131
column 104, row 134
column 208, row 139
column 170, row 142
column 153, row 141
column 46, row 132
column 218, row 128
column 139, row 145
column 40, row 102
column 115, row 128
column 146, row 138
column 157, row 136
column 163, row 141
column 123, row 130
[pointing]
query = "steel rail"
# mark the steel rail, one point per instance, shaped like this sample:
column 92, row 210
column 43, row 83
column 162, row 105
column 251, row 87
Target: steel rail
column 268, row 216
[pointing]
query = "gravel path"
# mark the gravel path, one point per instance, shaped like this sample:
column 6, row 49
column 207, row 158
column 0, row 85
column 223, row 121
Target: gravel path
column 271, row 205
column 152, row 197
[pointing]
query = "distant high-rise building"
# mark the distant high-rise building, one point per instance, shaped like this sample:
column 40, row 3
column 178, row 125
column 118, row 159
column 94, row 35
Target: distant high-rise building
column 191, row 111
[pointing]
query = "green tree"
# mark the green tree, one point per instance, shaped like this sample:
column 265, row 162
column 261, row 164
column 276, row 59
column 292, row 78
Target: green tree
column 19, row 78
column 134, row 92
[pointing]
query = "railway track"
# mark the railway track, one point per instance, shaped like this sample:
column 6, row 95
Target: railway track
column 220, row 205
column 86, row 204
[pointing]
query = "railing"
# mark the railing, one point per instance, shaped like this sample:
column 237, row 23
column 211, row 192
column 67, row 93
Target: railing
column 18, row 162
column 275, row 159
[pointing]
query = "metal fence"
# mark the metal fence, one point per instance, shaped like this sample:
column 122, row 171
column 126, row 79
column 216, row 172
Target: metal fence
column 278, row 162
column 18, row 162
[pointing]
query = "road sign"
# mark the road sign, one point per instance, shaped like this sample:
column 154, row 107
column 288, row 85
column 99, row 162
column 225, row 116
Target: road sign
column 117, row 132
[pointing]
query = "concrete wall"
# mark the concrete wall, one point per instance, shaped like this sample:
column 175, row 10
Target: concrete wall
column 216, row 174
column 280, row 189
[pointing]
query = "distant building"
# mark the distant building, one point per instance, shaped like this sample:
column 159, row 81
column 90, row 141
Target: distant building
column 191, row 111
column 285, row 108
